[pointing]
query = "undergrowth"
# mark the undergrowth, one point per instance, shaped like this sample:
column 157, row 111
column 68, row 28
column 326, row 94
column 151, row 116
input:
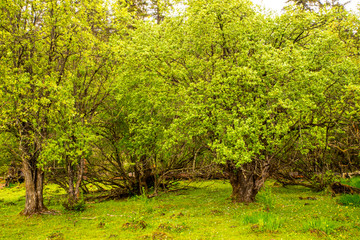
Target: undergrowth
column 203, row 211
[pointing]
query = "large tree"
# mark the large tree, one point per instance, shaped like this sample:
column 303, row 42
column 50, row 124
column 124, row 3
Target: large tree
column 248, row 85
column 54, row 70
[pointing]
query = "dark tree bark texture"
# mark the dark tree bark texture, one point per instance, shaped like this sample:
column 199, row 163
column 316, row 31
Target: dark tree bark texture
column 34, row 182
column 247, row 180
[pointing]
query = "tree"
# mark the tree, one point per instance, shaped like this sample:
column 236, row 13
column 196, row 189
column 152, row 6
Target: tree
column 330, row 68
column 318, row 4
column 207, row 67
column 134, row 124
column 52, row 55
column 9, row 153
column 247, row 84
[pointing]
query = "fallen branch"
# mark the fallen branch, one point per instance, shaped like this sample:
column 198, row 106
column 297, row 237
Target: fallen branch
column 338, row 187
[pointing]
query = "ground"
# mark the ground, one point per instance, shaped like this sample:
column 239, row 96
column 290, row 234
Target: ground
column 203, row 211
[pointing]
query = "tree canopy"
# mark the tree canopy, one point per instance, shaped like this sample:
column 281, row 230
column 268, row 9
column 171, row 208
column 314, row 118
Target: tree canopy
column 127, row 93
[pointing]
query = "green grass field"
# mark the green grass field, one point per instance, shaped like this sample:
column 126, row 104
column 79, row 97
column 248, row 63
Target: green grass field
column 203, row 211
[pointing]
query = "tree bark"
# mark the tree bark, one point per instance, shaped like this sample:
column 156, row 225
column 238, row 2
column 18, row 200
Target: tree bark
column 247, row 180
column 34, row 182
column 75, row 180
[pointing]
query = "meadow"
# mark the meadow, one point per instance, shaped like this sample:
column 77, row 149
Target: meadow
column 202, row 210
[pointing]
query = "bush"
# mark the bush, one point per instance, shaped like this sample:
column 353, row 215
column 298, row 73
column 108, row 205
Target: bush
column 3, row 170
column 350, row 200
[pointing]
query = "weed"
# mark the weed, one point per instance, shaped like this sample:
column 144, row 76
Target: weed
column 101, row 225
column 264, row 221
column 135, row 225
column 160, row 235
column 354, row 182
column 320, row 225
column 56, row 236
column 266, row 198
column 217, row 212
column 172, row 227
column 77, row 206
column 142, row 197
column 9, row 203
column 350, row 200
column 204, row 212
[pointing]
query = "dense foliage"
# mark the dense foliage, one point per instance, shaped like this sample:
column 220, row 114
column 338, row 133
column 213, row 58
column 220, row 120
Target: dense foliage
column 125, row 93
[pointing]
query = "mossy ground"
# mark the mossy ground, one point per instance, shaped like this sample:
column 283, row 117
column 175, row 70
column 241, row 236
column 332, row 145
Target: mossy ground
column 203, row 211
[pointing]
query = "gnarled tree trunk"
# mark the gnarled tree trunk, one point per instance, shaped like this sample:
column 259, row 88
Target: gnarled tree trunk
column 34, row 182
column 247, row 180
column 75, row 180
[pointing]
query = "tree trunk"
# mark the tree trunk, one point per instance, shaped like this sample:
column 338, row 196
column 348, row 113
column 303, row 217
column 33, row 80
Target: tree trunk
column 144, row 176
column 75, row 180
column 34, row 181
column 247, row 180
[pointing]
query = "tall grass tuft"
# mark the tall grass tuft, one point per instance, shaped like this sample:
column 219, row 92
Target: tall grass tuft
column 354, row 182
column 320, row 224
column 350, row 200
column 267, row 199
column 264, row 221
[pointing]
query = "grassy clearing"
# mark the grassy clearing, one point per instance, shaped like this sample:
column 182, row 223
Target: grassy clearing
column 202, row 212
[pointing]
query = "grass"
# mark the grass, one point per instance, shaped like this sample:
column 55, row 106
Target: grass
column 264, row 221
column 204, row 211
column 321, row 225
column 354, row 182
column 349, row 199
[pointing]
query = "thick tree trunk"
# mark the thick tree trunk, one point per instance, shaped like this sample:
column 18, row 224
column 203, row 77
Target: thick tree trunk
column 75, row 175
column 34, row 181
column 143, row 175
column 247, row 180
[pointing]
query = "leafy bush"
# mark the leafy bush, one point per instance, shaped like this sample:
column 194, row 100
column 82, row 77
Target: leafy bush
column 3, row 170
column 350, row 200
column 264, row 221
column 320, row 224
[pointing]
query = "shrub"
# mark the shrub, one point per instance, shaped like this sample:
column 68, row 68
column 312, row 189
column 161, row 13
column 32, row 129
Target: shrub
column 3, row 170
